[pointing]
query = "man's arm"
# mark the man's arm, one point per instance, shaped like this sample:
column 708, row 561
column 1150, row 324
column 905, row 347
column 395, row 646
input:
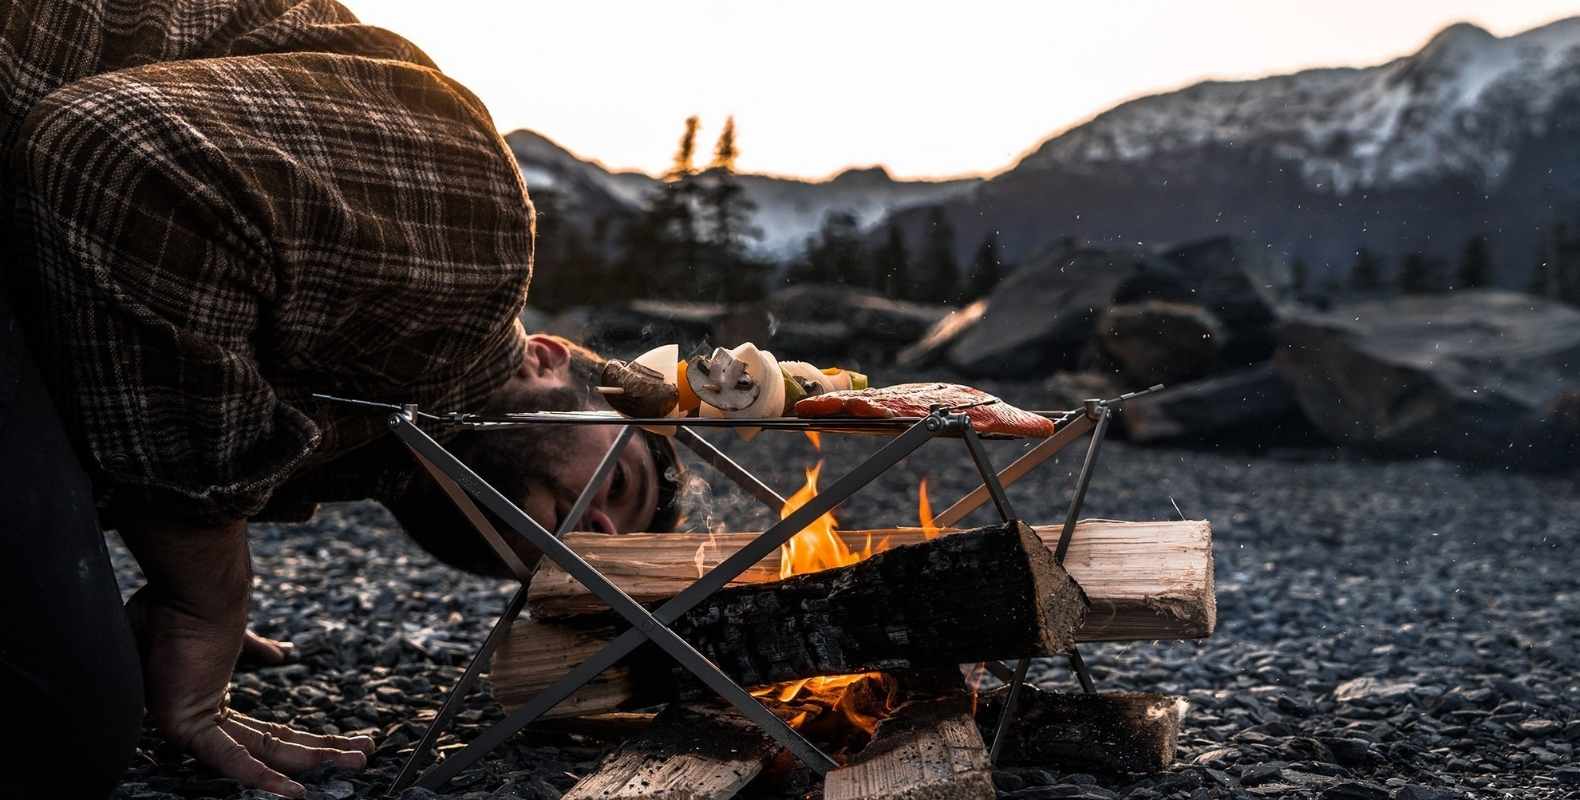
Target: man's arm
column 190, row 619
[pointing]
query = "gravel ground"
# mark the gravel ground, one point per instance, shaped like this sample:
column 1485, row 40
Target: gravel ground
column 1386, row 630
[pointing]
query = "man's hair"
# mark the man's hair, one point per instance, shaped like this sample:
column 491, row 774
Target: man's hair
column 507, row 459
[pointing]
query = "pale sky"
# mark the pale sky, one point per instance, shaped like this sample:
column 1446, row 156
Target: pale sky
column 925, row 88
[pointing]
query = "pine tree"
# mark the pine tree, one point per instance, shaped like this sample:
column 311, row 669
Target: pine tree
column 1566, row 266
column 681, row 168
column 834, row 255
column 1366, row 274
column 661, row 248
column 729, row 211
column 1541, row 280
column 986, row 269
column 1475, row 265
column 1299, row 275
column 939, row 278
column 1417, row 274
column 891, row 264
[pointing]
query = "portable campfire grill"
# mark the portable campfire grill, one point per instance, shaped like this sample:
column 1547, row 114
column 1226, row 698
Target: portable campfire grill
column 906, row 435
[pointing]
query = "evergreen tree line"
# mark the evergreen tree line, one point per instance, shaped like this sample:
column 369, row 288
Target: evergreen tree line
column 838, row 254
column 692, row 239
column 1556, row 273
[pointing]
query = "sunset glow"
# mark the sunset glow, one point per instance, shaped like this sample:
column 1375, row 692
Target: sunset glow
column 927, row 88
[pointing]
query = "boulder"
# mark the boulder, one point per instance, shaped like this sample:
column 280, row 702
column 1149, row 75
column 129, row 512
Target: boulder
column 934, row 345
column 816, row 322
column 1043, row 316
column 1478, row 375
column 1241, row 284
column 627, row 330
column 891, row 322
column 1065, row 391
column 1252, row 406
column 1160, row 342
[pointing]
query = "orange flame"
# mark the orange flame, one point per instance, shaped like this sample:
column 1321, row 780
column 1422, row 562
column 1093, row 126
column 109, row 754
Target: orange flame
column 817, row 439
column 924, row 512
column 817, row 547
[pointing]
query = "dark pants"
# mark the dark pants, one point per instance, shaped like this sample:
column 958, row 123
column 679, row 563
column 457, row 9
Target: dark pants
column 68, row 663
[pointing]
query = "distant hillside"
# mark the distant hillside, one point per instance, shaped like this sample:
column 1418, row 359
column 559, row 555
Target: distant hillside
column 1471, row 135
column 788, row 210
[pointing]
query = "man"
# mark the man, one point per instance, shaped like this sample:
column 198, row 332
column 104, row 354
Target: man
column 213, row 209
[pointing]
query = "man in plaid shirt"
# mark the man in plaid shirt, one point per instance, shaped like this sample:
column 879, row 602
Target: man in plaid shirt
column 213, row 209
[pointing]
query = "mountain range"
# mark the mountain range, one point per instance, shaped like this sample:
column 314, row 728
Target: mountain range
column 1473, row 135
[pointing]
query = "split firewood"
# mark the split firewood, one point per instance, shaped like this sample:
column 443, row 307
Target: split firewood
column 927, row 748
column 690, row 752
column 1110, row 731
column 992, row 593
column 1145, row 580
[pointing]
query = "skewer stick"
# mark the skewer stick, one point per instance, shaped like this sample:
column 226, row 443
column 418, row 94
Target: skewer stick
column 606, row 390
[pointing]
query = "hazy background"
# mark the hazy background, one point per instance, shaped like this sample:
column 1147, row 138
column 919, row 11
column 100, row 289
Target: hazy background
column 925, row 88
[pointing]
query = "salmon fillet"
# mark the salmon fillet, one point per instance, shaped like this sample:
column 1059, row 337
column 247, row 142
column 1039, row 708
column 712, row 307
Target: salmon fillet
column 916, row 399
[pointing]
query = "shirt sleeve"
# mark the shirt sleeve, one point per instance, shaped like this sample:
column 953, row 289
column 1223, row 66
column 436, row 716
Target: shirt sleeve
column 154, row 285
column 210, row 241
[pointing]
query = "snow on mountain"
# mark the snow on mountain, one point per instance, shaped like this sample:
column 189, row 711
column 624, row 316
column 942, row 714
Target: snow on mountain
column 1460, row 106
column 788, row 209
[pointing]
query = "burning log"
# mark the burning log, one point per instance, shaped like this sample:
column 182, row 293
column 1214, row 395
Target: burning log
column 985, row 594
column 1145, row 580
column 689, row 753
column 1112, row 731
column 928, row 748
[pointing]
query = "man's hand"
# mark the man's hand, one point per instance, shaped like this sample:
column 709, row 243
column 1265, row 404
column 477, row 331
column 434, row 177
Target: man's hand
column 262, row 651
column 190, row 622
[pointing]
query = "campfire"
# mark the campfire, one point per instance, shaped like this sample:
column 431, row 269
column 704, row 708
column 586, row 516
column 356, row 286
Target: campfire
column 918, row 610
column 823, row 640
column 843, row 710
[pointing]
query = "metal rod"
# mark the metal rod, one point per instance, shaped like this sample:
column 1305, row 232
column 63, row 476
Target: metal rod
column 474, row 515
column 735, row 472
column 1008, row 713
column 616, row 599
column 1104, row 416
column 452, row 700
column 887, row 456
column 1085, row 479
column 1023, row 466
column 989, row 477
column 1081, row 673
column 999, row 669
column 606, row 466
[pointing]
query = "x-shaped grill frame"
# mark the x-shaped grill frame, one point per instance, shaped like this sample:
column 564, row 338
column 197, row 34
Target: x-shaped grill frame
column 466, row 489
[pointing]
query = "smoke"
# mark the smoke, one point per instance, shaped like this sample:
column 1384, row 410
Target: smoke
column 719, row 506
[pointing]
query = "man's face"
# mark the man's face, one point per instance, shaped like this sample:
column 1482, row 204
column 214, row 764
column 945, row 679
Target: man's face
column 624, row 503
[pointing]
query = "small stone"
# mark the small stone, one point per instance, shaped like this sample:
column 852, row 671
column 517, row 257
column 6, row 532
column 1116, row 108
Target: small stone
column 1260, row 773
column 1540, row 727
column 1412, row 791
column 1007, row 781
column 1354, row 790
column 1372, row 691
column 1218, row 757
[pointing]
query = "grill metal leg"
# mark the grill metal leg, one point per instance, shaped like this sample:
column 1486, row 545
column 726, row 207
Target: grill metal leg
column 726, row 465
column 1015, row 682
column 645, row 625
column 518, row 601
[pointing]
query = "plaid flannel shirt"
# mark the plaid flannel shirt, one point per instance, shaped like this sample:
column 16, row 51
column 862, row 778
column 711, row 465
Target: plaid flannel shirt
column 215, row 208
